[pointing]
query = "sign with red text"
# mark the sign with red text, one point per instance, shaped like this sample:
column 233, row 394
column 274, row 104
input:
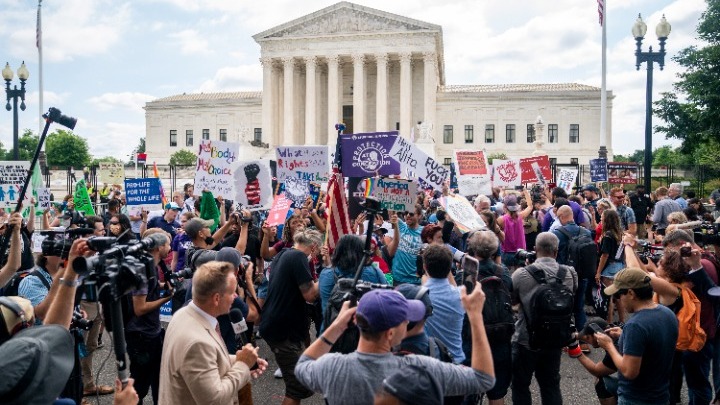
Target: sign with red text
column 535, row 169
column 215, row 167
column 473, row 172
column 309, row 163
column 507, row 173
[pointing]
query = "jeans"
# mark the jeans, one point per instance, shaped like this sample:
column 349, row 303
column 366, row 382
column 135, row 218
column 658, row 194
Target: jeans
column 580, row 317
column 545, row 364
column 696, row 366
column 145, row 354
column 502, row 357
column 625, row 401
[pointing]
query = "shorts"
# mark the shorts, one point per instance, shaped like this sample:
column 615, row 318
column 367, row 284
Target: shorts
column 611, row 269
column 606, row 387
column 287, row 354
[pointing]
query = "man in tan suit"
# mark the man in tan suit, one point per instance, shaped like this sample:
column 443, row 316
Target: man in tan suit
column 196, row 367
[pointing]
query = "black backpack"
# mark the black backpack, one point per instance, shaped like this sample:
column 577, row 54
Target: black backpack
column 11, row 288
column 436, row 350
column 498, row 315
column 550, row 325
column 582, row 253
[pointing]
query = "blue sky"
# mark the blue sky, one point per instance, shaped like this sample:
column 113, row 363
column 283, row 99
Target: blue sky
column 103, row 59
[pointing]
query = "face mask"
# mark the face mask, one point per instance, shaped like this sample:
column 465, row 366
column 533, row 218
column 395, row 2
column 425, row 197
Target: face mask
column 209, row 240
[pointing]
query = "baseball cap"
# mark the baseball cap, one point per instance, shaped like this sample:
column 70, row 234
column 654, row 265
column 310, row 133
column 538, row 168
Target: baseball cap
column 414, row 385
column 195, row 225
column 385, row 309
column 230, row 255
column 510, row 203
column 627, row 279
column 16, row 313
column 172, row 206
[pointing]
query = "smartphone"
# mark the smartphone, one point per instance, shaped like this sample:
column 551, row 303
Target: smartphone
column 595, row 327
column 470, row 271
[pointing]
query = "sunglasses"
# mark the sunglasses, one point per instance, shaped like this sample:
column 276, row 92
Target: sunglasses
column 412, row 214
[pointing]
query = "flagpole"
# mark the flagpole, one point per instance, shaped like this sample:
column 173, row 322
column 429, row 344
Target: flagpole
column 602, row 153
column 41, row 121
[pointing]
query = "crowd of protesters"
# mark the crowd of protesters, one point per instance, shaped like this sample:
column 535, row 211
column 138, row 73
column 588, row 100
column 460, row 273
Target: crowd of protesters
column 446, row 316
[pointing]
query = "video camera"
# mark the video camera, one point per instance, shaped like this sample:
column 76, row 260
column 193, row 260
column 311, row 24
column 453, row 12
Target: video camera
column 528, row 256
column 649, row 252
column 708, row 233
column 58, row 243
column 79, row 322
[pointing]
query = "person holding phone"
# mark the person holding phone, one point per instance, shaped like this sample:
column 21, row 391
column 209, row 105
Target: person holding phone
column 606, row 384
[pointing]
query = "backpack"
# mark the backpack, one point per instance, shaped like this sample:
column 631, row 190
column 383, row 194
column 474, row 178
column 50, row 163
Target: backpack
column 691, row 335
column 437, row 350
column 498, row 315
column 550, row 324
column 582, row 253
column 11, row 288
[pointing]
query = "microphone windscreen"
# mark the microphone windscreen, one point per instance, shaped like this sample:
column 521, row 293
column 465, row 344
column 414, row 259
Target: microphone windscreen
column 236, row 315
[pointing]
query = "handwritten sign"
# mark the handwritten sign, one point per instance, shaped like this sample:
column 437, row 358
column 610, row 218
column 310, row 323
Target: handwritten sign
column 473, row 172
column 253, row 185
column 142, row 191
column 82, row 199
column 12, row 178
column 37, row 240
column 297, row 190
column 216, row 164
column 623, row 173
column 279, row 210
column 566, row 179
column 166, row 312
column 462, row 213
column 368, row 154
column 393, row 194
column 598, row 170
column 309, row 163
column 507, row 173
column 43, row 196
column 112, row 173
column 535, row 169
column 413, row 159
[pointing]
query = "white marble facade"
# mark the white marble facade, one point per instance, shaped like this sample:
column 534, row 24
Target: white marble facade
column 375, row 71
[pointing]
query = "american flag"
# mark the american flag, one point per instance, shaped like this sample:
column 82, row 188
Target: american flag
column 601, row 11
column 337, row 210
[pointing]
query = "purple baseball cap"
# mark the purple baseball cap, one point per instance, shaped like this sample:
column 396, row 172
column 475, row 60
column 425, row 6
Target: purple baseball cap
column 385, row 309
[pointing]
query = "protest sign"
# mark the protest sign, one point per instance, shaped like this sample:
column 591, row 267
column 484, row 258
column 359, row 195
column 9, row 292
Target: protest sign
column 393, row 194
column 216, row 164
column 142, row 191
column 309, row 163
column 253, row 185
column 166, row 312
column 566, row 179
column 413, row 159
column 43, row 195
column 297, row 190
column 82, row 199
column 598, row 170
column 462, row 213
column 507, row 173
column 279, row 210
column 368, row 154
column 473, row 173
column 112, row 173
column 12, row 178
column 535, row 169
column 37, row 240
column 623, row 173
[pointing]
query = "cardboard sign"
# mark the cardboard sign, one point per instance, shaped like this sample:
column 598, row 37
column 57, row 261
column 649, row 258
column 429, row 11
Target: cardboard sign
column 598, row 170
column 309, row 163
column 297, row 190
column 142, row 191
column 166, row 312
column 622, row 173
column 279, row 210
column 12, row 178
column 507, row 173
column 413, row 160
column 82, row 199
column 473, row 172
column 368, row 154
column 566, row 179
column 535, row 169
column 43, row 196
column 393, row 194
column 253, row 185
column 462, row 213
column 216, row 165
column 112, row 173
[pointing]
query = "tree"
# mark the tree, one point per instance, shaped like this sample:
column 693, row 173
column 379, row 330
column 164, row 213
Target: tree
column 183, row 157
column 141, row 146
column 695, row 121
column 106, row 159
column 27, row 144
column 493, row 156
column 66, row 149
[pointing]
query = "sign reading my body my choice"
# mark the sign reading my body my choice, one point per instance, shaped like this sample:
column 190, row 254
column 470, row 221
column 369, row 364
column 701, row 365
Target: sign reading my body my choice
column 142, row 191
column 215, row 167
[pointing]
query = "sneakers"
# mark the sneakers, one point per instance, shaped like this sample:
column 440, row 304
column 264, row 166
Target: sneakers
column 278, row 373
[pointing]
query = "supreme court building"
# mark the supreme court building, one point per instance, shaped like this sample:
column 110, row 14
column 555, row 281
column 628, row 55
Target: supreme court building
column 376, row 71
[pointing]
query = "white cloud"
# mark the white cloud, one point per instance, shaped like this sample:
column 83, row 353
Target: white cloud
column 191, row 42
column 124, row 138
column 239, row 78
column 126, row 100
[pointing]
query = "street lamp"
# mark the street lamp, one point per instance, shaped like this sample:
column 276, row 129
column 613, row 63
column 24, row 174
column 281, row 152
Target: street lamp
column 638, row 31
column 14, row 94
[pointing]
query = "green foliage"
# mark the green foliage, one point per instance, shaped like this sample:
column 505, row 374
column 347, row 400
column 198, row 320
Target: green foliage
column 106, row 159
column 183, row 157
column 493, row 156
column 65, row 149
column 27, row 144
column 141, row 146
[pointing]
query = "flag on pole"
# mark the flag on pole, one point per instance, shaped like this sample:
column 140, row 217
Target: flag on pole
column 601, row 11
column 162, row 191
column 338, row 220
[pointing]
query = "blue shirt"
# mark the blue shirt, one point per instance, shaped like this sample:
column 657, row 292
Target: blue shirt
column 33, row 289
column 627, row 216
column 404, row 267
column 574, row 230
column 446, row 321
column 681, row 202
column 326, row 281
column 160, row 222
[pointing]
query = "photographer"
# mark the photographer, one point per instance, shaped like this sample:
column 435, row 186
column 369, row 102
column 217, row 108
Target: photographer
column 26, row 229
column 143, row 332
column 14, row 249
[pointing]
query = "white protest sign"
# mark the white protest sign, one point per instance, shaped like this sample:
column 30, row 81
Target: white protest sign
column 12, row 178
column 37, row 241
column 473, row 174
column 112, row 173
column 297, row 190
column 566, row 179
column 394, row 194
column 43, row 198
column 414, row 160
column 507, row 173
column 303, row 162
column 253, row 185
column 216, row 164
column 464, row 215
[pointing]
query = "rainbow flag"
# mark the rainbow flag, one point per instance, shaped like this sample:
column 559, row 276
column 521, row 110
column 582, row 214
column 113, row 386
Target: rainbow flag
column 162, row 191
column 369, row 185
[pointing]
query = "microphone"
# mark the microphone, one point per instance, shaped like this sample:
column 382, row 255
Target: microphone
column 239, row 325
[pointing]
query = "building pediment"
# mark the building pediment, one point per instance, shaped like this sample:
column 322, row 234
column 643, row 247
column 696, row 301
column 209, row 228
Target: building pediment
column 346, row 18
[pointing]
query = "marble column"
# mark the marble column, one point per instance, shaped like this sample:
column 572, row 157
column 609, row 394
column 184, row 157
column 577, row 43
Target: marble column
column 333, row 96
column 381, row 113
column 289, row 129
column 310, row 107
column 430, row 90
column 270, row 133
column 358, row 93
column 406, row 123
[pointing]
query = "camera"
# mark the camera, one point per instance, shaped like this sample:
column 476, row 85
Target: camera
column 56, row 115
column 649, row 252
column 372, row 206
column 708, row 234
column 58, row 243
column 79, row 322
column 523, row 255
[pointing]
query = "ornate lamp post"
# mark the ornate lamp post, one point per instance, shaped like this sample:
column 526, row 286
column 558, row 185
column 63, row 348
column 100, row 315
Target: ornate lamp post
column 13, row 94
column 638, row 31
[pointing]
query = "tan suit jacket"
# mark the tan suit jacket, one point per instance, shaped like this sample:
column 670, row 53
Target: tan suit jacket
column 196, row 367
